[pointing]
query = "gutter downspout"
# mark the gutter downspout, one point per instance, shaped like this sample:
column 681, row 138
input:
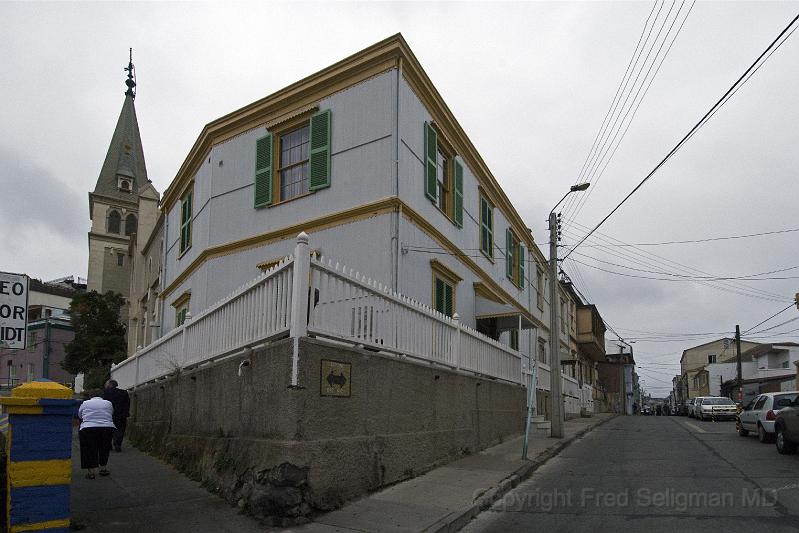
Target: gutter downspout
column 395, row 245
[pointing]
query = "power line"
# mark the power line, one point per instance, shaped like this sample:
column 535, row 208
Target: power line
column 740, row 81
column 595, row 181
column 747, row 277
column 607, row 129
column 691, row 241
column 769, row 318
column 645, row 255
column 774, row 327
column 673, row 279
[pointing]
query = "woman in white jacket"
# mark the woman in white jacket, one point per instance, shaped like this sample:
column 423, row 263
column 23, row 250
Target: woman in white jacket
column 96, row 430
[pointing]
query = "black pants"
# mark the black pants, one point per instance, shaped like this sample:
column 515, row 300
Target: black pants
column 119, row 432
column 95, row 445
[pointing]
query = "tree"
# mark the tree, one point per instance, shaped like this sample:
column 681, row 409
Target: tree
column 99, row 336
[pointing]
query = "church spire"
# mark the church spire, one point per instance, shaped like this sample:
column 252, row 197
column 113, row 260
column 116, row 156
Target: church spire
column 123, row 171
column 131, row 81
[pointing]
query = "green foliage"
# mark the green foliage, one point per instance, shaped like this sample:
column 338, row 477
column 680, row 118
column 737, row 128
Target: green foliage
column 99, row 336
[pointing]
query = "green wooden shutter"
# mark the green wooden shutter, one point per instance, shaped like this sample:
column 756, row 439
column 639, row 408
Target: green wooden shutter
column 509, row 253
column 439, row 295
column 458, row 207
column 448, row 299
column 320, row 150
column 430, row 154
column 522, row 262
column 263, row 170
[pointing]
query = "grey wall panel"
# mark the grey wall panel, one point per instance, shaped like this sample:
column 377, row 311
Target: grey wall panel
column 363, row 112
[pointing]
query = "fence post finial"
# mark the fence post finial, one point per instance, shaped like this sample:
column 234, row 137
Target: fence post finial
column 299, row 302
column 456, row 344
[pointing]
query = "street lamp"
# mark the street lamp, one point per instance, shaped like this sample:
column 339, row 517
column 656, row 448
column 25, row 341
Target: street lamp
column 556, row 400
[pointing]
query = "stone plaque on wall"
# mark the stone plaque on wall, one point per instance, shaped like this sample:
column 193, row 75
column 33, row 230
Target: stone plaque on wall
column 336, row 378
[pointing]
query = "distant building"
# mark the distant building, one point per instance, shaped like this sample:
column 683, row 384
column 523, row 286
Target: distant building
column 694, row 360
column 49, row 331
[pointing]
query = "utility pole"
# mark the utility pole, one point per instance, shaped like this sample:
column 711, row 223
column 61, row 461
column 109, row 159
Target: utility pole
column 738, row 362
column 554, row 337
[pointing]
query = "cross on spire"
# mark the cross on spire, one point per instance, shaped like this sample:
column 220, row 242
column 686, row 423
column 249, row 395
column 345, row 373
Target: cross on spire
column 131, row 81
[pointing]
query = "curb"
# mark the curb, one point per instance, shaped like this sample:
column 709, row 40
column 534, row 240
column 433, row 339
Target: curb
column 456, row 520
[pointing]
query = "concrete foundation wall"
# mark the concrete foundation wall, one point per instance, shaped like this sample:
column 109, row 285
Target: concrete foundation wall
column 284, row 453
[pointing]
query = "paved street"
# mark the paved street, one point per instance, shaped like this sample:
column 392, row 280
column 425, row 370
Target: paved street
column 655, row 474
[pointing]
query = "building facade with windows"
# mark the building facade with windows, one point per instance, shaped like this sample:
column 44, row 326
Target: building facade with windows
column 49, row 331
column 694, row 360
column 365, row 157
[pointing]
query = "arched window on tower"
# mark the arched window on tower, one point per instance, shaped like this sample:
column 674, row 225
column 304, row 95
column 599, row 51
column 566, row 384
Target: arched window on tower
column 114, row 221
column 130, row 224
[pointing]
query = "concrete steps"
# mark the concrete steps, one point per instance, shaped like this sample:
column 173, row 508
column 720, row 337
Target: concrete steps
column 540, row 424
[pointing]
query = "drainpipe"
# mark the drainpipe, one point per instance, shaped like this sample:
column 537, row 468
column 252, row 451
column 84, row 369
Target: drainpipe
column 396, row 237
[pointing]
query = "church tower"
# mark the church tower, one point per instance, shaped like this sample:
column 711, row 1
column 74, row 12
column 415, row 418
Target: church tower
column 114, row 203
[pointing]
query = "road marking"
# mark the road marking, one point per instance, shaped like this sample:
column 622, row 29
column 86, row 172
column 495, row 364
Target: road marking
column 697, row 428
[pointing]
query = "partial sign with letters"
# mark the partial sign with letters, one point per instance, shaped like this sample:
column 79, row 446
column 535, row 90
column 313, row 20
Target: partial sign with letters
column 336, row 378
column 13, row 310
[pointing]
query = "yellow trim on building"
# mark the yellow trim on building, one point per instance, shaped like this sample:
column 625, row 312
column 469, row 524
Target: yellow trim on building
column 445, row 272
column 41, row 526
column 481, row 289
column 35, row 473
column 182, row 299
column 382, row 206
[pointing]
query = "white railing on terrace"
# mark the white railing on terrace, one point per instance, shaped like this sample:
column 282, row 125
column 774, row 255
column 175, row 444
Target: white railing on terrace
column 340, row 305
column 256, row 312
column 346, row 306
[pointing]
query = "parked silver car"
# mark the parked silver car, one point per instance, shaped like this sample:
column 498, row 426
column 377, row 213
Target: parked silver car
column 715, row 408
column 759, row 415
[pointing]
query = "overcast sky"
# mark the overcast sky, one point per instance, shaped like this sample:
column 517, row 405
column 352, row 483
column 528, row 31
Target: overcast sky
column 530, row 83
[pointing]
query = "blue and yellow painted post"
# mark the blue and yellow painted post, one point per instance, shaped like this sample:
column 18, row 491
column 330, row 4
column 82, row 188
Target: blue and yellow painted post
column 39, row 457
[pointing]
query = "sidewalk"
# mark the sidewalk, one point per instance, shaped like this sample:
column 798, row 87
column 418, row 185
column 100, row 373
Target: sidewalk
column 145, row 494
column 446, row 498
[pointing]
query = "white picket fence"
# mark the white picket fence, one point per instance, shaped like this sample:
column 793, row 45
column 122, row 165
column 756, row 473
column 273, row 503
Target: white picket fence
column 341, row 305
column 256, row 312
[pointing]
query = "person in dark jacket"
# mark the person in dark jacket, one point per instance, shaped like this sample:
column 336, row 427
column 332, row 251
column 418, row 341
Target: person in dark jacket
column 121, row 401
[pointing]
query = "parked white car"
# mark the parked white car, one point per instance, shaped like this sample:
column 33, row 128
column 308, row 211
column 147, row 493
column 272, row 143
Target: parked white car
column 761, row 412
column 694, row 405
column 715, row 408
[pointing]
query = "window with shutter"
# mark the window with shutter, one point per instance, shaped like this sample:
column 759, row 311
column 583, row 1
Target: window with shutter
column 185, row 220
column 486, row 227
column 458, row 192
column 514, row 258
column 263, row 171
column 294, row 160
column 320, row 151
column 443, row 175
column 510, row 245
column 181, row 305
column 430, row 156
column 445, row 282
